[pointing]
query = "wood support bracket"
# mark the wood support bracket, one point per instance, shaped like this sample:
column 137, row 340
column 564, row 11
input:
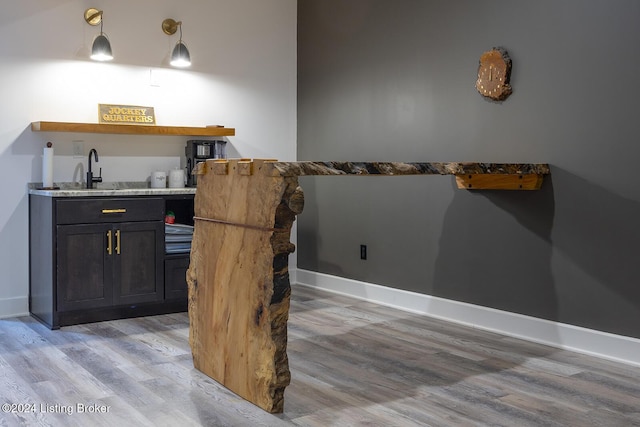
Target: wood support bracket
column 499, row 182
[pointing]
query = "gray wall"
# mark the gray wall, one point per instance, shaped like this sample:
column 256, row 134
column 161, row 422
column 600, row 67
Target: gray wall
column 394, row 80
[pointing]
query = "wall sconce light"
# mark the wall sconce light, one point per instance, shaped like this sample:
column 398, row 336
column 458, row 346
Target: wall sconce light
column 101, row 49
column 180, row 56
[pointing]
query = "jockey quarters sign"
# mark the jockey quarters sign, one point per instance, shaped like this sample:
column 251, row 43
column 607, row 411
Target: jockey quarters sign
column 126, row 115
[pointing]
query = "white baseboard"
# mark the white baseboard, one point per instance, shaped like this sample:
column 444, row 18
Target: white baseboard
column 14, row 307
column 293, row 275
column 568, row 337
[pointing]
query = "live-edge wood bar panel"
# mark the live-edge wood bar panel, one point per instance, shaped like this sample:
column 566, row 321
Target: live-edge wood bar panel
column 238, row 278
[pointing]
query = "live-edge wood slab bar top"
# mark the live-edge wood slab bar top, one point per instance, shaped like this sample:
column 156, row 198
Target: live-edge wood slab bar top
column 238, row 276
column 469, row 175
column 407, row 168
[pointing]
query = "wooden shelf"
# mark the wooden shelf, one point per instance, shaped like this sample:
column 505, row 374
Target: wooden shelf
column 131, row 129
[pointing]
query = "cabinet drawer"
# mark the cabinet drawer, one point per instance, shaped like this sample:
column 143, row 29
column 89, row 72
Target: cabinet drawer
column 88, row 211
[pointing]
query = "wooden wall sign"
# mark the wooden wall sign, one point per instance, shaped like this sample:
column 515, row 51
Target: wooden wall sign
column 126, row 115
column 494, row 74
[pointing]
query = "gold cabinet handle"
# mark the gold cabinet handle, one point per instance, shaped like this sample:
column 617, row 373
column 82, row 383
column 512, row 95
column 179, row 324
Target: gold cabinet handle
column 118, row 242
column 109, row 243
column 113, row 211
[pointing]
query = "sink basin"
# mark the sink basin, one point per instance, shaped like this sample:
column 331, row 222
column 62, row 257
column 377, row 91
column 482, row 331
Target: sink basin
column 113, row 186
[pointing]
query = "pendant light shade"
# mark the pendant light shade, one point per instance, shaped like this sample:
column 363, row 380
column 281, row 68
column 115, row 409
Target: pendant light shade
column 180, row 56
column 101, row 50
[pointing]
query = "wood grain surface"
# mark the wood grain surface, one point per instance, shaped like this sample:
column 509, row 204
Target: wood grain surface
column 238, row 279
column 353, row 364
column 131, row 129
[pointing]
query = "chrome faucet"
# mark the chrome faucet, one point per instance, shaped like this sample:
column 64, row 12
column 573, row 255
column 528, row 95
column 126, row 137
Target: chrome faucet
column 90, row 178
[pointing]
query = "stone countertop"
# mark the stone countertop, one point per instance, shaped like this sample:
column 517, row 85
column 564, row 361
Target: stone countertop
column 105, row 189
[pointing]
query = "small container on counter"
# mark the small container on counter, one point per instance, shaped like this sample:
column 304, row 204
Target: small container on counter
column 176, row 178
column 158, row 179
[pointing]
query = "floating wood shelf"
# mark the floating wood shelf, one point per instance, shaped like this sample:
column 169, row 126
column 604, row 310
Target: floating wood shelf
column 131, row 129
column 238, row 278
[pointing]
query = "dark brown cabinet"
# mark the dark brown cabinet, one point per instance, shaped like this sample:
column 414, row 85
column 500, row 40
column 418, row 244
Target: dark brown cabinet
column 109, row 264
column 175, row 276
column 100, row 258
column 85, row 273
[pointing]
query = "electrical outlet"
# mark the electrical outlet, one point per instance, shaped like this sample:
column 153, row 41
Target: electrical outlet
column 78, row 149
column 363, row 251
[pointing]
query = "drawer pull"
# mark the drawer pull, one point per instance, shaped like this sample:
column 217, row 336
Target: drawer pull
column 109, row 242
column 118, row 242
column 113, row 211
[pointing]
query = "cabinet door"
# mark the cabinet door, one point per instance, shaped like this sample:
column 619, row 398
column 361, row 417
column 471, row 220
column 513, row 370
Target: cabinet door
column 139, row 254
column 85, row 278
column 175, row 278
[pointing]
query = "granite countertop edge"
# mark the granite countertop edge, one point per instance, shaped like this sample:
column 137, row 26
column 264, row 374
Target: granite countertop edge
column 74, row 189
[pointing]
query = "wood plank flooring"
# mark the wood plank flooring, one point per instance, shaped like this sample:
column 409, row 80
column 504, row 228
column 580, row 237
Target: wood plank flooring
column 353, row 363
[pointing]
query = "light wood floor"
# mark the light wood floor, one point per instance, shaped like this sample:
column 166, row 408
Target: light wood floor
column 353, row 364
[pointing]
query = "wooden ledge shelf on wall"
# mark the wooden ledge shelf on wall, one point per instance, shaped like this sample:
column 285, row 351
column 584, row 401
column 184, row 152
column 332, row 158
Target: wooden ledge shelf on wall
column 131, row 129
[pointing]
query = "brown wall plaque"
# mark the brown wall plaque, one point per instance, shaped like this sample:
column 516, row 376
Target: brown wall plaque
column 126, row 115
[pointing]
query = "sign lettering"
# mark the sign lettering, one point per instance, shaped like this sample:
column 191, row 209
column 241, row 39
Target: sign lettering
column 126, row 115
